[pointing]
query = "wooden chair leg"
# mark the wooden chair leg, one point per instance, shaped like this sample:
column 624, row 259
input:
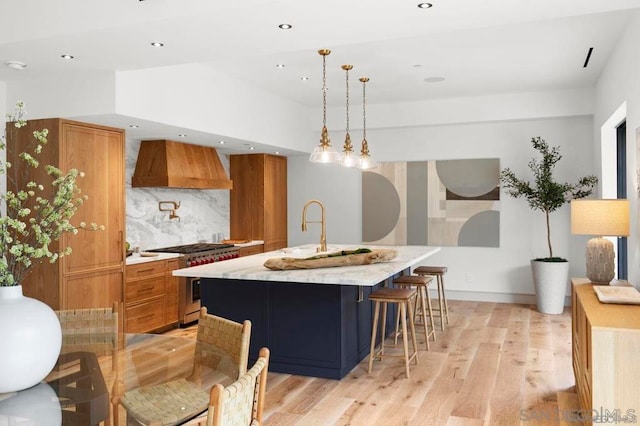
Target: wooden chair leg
column 421, row 291
column 405, row 345
column 374, row 330
column 414, row 341
column 444, row 297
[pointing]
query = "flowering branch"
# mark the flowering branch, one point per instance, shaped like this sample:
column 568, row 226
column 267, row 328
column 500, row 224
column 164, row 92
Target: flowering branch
column 31, row 220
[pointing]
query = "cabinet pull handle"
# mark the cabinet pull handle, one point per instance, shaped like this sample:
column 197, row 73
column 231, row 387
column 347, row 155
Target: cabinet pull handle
column 145, row 270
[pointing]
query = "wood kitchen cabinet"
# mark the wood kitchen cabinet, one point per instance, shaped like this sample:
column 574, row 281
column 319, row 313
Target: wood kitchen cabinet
column 151, row 296
column 251, row 250
column 259, row 199
column 605, row 345
column 92, row 276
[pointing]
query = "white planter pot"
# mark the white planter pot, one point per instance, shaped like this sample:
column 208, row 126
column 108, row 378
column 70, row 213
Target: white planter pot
column 31, row 340
column 550, row 280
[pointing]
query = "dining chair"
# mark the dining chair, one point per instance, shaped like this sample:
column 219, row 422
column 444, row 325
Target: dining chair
column 88, row 335
column 242, row 402
column 222, row 349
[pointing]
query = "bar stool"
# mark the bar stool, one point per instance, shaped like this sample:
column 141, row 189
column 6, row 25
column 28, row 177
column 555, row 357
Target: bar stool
column 402, row 297
column 422, row 303
column 438, row 272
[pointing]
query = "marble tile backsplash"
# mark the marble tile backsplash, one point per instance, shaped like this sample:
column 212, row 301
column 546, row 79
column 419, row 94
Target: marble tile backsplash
column 203, row 212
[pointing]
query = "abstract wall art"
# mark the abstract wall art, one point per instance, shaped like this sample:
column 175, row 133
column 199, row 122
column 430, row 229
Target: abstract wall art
column 436, row 203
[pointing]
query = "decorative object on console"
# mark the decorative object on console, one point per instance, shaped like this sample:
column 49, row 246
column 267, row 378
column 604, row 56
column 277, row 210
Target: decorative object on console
column 324, row 153
column 601, row 218
column 347, row 158
column 365, row 161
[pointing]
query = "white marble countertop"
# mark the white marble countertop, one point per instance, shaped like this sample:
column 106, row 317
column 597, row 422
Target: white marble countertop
column 135, row 258
column 252, row 267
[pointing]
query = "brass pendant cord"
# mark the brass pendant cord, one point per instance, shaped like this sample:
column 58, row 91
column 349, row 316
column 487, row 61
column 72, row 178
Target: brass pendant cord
column 348, row 147
column 347, row 97
column 324, row 91
column 365, row 146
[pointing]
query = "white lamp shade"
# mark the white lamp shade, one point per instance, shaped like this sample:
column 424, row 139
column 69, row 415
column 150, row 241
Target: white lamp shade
column 600, row 217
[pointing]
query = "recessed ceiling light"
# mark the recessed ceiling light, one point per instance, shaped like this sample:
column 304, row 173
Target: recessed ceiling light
column 304, row 78
column 277, row 152
column 434, row 79
column 133, row 126
column 157, row 44
column 425, row 5
column 279, row 65
column 221, row 142
column 285, row 26
column 16, row 65
column 182, row 135
column 66, row 56
column 251, row 148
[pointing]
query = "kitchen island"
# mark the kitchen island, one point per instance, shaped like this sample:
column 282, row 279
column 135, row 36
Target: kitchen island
column 316, row 322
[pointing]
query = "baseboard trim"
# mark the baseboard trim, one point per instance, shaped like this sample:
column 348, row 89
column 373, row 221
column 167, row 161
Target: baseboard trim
column 483, row 296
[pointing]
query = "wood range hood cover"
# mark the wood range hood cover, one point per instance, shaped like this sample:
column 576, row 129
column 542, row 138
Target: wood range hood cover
column 170, row 164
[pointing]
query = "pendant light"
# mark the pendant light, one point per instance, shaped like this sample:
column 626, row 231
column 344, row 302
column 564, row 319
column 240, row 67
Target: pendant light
column 324, row 153
column 365, row 160
column 348, row 157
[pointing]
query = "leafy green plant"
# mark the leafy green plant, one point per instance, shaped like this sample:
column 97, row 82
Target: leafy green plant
column 545, row 194
column 29, row 221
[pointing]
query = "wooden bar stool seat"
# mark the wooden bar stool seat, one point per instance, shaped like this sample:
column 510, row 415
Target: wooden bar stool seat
column 438, row 272
column 422, row 304
column 402, row 297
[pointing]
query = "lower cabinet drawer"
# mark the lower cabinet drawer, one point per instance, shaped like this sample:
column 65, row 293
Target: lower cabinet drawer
column 143, row 288
column 145, row 316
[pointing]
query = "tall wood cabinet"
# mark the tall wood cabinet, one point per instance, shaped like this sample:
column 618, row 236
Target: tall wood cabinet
column 92, row 276
column 605, row 348
column 259, row 199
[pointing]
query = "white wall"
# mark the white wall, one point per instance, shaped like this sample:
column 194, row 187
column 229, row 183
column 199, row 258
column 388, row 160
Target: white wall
column 619, row 83
column 195, row 96
column 66, row 96
column 500, row 274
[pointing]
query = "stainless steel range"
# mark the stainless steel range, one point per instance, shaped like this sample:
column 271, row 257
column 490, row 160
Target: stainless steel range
column 189, row 288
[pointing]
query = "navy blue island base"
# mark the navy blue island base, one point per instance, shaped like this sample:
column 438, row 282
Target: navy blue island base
column 319, row 330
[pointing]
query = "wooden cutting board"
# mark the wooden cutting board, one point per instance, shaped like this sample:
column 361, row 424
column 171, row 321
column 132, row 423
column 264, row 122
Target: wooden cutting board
column 288, row 263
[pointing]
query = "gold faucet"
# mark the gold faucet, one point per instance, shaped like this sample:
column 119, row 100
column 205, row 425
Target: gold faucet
column 323, row 235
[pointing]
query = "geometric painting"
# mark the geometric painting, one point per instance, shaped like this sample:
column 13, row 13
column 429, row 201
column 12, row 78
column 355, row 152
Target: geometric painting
column 435, row 203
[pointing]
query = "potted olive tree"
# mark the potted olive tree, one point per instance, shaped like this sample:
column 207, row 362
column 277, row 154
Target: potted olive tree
column 550, row 274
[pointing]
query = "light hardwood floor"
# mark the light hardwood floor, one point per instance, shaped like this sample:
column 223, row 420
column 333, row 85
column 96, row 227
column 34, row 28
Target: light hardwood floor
column 495, row 364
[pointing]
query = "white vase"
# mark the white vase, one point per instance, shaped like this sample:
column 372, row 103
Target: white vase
column 31, row 340
column 550, row 280
column 38, row 405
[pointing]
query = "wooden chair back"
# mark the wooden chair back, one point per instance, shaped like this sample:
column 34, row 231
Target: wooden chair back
column 222, row 345
column 242, row 402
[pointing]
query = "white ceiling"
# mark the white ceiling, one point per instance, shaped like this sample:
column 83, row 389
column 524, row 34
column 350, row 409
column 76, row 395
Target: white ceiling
column 479, row 47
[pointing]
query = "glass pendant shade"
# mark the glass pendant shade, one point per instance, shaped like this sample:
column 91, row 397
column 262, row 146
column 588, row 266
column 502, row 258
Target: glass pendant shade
column 348, row 157
column 324, row 153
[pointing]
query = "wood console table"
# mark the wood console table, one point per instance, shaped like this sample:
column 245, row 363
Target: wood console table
column 606, row 348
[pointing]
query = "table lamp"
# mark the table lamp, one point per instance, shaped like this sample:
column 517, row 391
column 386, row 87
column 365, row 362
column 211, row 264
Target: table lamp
column 601, row 218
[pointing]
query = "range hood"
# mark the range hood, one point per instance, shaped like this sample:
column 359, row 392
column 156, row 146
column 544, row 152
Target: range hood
column 170, row 164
